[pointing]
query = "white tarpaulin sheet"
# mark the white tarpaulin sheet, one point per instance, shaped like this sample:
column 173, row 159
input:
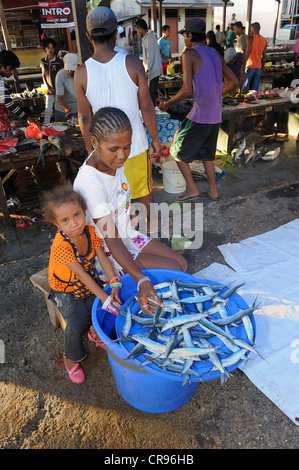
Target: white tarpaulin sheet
column 268, row 264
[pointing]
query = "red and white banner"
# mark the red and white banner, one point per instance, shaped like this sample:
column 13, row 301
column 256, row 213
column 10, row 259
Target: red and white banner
column 56, row 14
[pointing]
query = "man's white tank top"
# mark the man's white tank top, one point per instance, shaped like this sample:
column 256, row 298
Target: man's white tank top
column 110, row 85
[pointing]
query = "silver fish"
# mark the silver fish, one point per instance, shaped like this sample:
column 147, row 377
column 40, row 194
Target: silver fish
column 259, row 152
column 216, row 362
column 128, row 322
column 196, row 299
column 161, row 285
column 233, row 358
column 249, row 152
column 248, row 328
column 233, row 318
column 171, row 367
column 172, row 344
column 237, row 152
column 191, row 352
column 213, row 328
column 151, row 345
column 174, row 290
column 181, row 319
column 230, row 291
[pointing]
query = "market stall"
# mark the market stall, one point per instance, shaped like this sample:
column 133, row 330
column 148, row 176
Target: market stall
column 73, row 150
column 166, row 82
column 279, row 66
column 247, row 109
column 23, row 25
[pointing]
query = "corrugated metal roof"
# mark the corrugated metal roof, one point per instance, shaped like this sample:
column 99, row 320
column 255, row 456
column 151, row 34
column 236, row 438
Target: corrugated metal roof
column 188, row 3
column 129, row 17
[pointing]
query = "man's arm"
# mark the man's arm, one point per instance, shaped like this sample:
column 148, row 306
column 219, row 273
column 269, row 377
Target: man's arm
column 230, row 79
column 264, row 58
column 60, row 90
column 136, row 72
column 248, row 46
column 242, row 74
column 84, row 108
column 63, row 104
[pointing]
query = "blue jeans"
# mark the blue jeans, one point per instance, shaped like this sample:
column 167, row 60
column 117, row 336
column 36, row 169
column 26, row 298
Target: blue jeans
column 252, row 79
column 75, row 312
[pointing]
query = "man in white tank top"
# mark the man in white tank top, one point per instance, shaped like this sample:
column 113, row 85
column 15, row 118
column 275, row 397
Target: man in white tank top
column 113, row 79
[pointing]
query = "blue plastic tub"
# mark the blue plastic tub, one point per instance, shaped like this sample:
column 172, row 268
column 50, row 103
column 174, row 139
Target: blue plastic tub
column 147, row 388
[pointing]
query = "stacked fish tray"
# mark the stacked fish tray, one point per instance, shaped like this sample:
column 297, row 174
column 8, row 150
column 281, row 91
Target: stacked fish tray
column 204, row 331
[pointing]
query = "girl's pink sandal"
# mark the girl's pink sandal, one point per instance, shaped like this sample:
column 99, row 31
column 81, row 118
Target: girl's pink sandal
column 76, row 374
column 98, row 341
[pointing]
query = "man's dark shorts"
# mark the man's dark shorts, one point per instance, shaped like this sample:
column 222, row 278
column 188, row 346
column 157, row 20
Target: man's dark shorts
column 194, row 141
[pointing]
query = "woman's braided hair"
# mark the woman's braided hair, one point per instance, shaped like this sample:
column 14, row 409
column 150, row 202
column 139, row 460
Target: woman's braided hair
column 107, row 121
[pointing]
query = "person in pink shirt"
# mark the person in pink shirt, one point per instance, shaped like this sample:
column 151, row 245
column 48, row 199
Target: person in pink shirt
column 296, row 58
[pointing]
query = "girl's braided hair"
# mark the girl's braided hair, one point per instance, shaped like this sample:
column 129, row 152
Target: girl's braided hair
column 107, row 121
column 57, row 196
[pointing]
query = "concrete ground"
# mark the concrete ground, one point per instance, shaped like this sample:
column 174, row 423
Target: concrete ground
column 42, row 409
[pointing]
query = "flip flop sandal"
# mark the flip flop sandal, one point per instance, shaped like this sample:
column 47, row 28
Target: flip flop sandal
column 185, row 199
column 98, row 342
column 76, row 374
column 205, row 195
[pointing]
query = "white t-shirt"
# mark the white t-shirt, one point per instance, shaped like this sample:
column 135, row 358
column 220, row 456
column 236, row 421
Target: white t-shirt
column 106, row 194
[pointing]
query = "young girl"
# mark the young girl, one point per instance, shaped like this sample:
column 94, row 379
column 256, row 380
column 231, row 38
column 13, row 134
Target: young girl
column 72, row 275
column 101, row 181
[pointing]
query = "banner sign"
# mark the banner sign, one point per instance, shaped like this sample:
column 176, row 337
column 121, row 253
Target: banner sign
column 56, row 14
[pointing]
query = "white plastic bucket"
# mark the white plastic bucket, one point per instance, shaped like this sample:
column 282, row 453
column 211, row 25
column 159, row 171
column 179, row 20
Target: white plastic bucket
column 173, row 180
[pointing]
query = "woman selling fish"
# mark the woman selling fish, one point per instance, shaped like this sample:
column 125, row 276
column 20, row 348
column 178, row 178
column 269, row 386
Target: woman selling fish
column 102, row 183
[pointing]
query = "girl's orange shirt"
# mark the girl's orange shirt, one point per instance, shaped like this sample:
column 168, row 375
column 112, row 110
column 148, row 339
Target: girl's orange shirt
column 60, row 277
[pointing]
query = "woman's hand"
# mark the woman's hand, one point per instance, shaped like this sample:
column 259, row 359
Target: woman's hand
column 148, row 298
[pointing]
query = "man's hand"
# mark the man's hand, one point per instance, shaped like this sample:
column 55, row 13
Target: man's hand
column 156, row 149
column 33, row 121
column 162, row 104
column 68, row 111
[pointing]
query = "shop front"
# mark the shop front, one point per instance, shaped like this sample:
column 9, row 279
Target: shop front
column 26, row 26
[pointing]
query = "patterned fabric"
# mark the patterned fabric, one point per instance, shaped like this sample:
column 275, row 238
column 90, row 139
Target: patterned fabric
column 7, row 100
column 80, row 290
column 134, row 246
column 166, row 128
column 60, row 277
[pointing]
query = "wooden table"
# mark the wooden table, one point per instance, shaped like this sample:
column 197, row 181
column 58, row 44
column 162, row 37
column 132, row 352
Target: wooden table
column 244, row 110
column 166, row 84
column 74, row 151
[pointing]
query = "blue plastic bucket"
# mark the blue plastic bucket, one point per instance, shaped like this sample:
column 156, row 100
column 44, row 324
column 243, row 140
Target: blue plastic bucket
column 147, row 388
column 142, row 389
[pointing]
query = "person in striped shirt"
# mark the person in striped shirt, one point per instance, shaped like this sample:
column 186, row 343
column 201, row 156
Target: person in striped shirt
column 8, row 63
